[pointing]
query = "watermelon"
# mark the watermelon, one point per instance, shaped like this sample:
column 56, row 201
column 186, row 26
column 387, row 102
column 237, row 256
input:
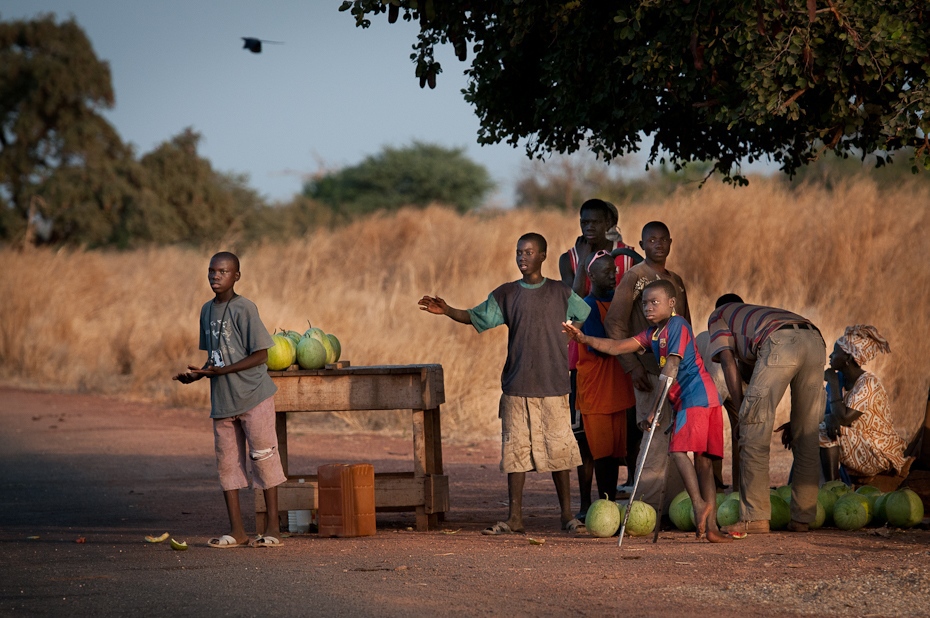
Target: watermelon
column 682, row 495
column 282, row 354
column 832, row 484
column 851, row 512
column 337, row 347
column 784, row 492
column 880, row 516
column 904, row 508
column 293, row 335
column 838, row 488
column 728, row 513
column 733, row 495
column 827, row 499
column 603, row 518
column 868, row 490
column 311, row 354
column 642, row 518
column 720, row 498
column 781, row 513
column 820, row 518
column 682, row 514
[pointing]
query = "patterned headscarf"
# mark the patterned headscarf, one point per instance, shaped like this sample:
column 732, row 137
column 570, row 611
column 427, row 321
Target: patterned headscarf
column 863, row 343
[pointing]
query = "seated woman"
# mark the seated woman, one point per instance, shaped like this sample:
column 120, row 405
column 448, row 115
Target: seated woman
column 858, row 432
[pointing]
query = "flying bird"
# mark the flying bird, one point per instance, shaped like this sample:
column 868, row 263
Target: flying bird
column 255, row 45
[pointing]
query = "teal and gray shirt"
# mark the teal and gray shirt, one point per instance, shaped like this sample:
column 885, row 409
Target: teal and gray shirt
column 537, row 349
column 230, row 332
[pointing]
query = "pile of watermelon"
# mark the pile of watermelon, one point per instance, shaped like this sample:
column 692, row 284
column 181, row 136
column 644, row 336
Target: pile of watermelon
column 837, row 505
column 604, row 517
column 313, row 350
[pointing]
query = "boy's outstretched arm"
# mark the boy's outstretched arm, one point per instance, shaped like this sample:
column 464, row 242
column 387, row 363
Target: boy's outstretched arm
column 607, row 346
column 438, row 306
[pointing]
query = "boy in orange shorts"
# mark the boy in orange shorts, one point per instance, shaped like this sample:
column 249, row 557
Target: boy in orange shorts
column 605, row 391
column 698, row 427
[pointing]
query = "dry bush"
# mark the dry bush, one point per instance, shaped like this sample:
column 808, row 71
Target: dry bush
column 123, row 323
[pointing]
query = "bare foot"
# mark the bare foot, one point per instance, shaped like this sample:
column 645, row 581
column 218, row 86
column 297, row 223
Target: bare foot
column 700, row 519
column 715, row 536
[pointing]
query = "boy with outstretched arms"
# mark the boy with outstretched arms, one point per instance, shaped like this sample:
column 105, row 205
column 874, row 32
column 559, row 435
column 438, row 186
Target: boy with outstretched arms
column 241, row 401
column 605, row 391
column 698, row 423
column 535, row 427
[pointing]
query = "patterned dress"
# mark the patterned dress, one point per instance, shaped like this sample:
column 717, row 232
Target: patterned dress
column 870, row 445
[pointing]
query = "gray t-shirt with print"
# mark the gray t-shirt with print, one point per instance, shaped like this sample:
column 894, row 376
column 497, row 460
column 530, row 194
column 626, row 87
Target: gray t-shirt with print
column 230, row 332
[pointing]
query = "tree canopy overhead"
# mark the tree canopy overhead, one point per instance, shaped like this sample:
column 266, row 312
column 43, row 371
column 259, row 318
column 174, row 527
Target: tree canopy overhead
column 707, row 79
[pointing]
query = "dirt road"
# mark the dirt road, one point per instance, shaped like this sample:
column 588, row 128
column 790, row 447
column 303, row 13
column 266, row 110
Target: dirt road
column 111, row 472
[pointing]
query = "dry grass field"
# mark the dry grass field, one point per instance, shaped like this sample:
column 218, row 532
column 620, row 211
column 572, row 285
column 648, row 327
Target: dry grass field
column 122, row 323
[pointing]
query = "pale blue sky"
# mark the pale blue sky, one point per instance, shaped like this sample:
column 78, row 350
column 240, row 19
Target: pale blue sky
column 332, row 94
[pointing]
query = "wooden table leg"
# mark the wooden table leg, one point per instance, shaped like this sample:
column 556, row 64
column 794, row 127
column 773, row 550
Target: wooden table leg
column 433, row 439
column 420, row 464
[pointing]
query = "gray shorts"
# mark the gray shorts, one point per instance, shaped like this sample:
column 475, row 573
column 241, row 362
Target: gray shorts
column 257, row 428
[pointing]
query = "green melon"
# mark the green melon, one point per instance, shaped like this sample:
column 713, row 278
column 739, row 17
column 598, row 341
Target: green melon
column 311, row 354
column 781, row 513
column 904, row 508
column 293, row 335
column 868, row 490
column 319, row 335
column 282, row 354
column 603, row 518
column 720, row 498
column 820, row 518
column 728, row 513
column 337, row 347
column 733, row 495
column 827, row 499
column 682, row 495
column 851, row 512
column 682, row 514
column 784, row 492
column 881, row 515
column 642, row 518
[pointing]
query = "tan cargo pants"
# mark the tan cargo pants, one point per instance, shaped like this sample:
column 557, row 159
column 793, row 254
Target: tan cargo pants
column 792, row 357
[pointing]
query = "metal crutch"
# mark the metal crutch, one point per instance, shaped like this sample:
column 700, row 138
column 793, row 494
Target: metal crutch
column 656, row 414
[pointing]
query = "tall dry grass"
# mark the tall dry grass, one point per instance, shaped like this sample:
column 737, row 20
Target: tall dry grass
column 123, row 323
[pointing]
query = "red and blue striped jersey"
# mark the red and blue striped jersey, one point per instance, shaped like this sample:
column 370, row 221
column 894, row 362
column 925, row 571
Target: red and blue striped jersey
column 693, row 388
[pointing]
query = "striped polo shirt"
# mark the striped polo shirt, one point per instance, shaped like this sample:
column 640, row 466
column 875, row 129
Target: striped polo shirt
column 742, row 328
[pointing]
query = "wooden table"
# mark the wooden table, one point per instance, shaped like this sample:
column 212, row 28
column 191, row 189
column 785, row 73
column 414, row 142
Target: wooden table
column 418, row 388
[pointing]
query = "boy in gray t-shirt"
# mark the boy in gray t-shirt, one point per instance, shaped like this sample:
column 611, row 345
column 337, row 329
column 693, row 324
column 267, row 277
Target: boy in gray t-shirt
column 241, row 400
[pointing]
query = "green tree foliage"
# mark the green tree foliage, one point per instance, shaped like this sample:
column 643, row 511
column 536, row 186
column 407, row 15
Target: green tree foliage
column 709, row 80
column 52, row 90
column 415, row 175
column 189, row 200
